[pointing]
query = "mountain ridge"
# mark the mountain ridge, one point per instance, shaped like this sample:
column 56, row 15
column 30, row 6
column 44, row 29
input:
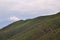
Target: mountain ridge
column 39, row 28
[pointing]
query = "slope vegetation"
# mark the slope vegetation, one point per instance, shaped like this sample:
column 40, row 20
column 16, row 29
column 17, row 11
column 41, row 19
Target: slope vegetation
column 39, row 28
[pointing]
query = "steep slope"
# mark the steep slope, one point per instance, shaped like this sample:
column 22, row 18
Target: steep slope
column 40, row 28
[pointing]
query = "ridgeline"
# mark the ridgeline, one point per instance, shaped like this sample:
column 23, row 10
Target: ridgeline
column 39, row 28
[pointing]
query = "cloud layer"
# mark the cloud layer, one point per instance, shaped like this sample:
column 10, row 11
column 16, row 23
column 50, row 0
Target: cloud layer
column 29, row 5
column 23, row 9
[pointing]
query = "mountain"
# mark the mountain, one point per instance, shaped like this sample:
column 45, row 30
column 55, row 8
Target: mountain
column 39, row 28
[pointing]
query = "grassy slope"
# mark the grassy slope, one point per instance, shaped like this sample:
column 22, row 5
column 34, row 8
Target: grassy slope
column 40, row 28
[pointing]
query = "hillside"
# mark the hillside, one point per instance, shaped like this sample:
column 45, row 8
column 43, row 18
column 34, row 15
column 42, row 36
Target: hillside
column 39, row 28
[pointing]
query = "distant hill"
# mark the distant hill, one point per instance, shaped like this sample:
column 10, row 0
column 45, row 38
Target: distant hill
column 39, row 28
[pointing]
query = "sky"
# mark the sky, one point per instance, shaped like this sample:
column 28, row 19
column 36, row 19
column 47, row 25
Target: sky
column 14, row 10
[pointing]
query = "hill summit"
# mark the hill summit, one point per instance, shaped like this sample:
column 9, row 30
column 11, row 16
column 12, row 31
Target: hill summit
column 39, row 28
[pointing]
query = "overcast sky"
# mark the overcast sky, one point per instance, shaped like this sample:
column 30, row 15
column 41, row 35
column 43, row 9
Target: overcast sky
column 13, row 10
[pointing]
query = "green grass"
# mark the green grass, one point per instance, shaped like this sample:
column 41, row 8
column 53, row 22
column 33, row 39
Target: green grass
column 39, row 28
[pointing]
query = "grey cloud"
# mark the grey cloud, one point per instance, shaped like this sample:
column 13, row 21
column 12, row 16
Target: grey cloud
column 32, row 6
